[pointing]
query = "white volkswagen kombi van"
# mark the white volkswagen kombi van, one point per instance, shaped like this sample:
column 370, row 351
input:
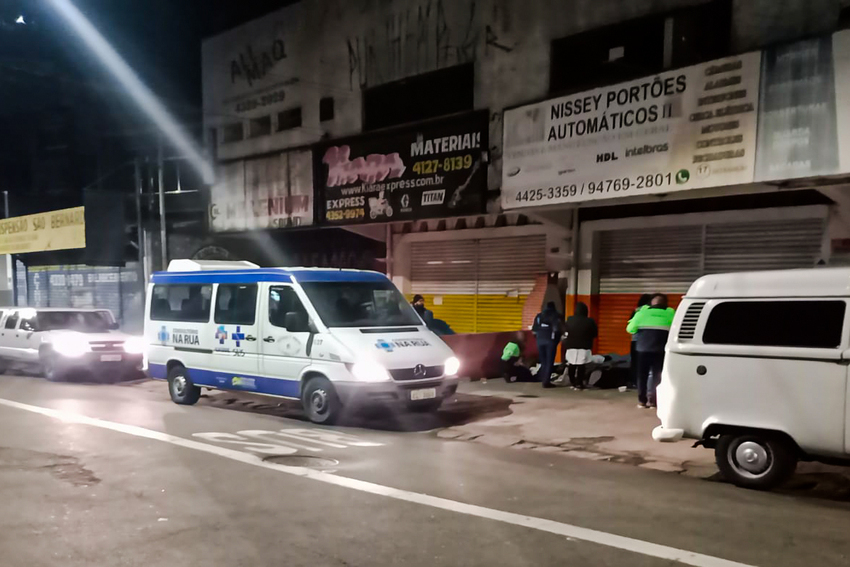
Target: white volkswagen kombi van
column 331, row 338
column 756, row 368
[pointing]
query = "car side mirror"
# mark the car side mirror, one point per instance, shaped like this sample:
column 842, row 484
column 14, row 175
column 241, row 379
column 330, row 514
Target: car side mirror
column 296, row 322
column 114, row 326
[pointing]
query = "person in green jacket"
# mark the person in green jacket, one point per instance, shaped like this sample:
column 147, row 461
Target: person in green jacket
column 651, row 327
column 513, row 369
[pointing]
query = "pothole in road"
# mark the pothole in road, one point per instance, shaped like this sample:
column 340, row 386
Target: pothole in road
column 302, row 461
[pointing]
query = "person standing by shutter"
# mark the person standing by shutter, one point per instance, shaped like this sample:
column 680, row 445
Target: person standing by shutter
column 548, row 328
column 581, row 331
column 652, row 325
column 633, row 355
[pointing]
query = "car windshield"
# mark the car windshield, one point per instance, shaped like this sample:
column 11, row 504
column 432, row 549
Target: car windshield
column 83, row 321
column 360, row 304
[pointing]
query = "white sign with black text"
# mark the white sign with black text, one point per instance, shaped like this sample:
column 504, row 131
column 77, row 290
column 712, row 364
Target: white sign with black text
column 684, row 129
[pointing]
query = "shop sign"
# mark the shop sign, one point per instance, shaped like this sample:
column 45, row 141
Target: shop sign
column 684, row 129
column 54, row 230
column 437, row 169
column 269, row 192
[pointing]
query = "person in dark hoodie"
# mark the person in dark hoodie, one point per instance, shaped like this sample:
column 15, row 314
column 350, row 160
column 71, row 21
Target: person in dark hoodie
column 651, row 324
column 548, row 327
column 581, row 332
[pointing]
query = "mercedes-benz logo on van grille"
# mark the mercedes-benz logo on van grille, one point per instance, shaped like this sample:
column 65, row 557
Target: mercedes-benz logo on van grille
column 419, row 371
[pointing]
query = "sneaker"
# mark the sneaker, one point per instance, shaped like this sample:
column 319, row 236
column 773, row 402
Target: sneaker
column 651, row 405
column 641, row 406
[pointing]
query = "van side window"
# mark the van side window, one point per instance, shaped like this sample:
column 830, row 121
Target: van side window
column 12, row 320
column 283, row 300
column 180, row 303
column 236, row 304
column 801, row 324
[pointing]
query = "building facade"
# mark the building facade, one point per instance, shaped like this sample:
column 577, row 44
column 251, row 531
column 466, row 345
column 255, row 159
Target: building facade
column 375, row 116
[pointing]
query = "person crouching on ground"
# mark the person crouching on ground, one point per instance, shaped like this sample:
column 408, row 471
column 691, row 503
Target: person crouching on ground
column 652, row 325
column 513, row 369
column 581, row 331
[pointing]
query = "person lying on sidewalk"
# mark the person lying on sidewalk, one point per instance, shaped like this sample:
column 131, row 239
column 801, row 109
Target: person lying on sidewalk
column 513, row 369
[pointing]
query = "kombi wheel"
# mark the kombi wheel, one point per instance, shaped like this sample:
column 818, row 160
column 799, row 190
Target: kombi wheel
column 320, row 401
column 755, row 460
column 181, row 388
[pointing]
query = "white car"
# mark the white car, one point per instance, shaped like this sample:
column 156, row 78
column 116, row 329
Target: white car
column 59, row 341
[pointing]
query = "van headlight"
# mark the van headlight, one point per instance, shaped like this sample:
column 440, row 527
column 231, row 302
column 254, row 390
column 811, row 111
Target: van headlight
column 370, row 371
column 134, row 345
column 451, row 366
column 72, row 346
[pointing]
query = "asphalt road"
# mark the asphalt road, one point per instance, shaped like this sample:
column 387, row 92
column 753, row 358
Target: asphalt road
column 118, row 475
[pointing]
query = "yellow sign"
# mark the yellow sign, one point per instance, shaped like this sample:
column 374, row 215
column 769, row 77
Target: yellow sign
column 54, row 230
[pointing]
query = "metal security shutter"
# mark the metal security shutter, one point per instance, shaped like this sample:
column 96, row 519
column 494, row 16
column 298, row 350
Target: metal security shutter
column 507, row 270
column 763, row 245
column 447, row 267
column 654, row 259
column 482, row 284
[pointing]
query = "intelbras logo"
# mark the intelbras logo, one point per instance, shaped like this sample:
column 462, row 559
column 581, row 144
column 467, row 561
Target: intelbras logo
column 647, row 149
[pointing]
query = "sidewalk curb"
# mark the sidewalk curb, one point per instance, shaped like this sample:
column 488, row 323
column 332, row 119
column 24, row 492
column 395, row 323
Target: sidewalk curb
column 581, row 448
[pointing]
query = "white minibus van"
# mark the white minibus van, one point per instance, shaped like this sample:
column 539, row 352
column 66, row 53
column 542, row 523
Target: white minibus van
column 756, row 369
column 330, row 338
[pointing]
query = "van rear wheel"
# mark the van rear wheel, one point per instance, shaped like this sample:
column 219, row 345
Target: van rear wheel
column 755, row 460
column 320, row 401
column 183, row 391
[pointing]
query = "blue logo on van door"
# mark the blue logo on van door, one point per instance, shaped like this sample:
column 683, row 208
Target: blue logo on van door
column 221, row 334
column 163, row 336
column 384, row 345
column 238, row 336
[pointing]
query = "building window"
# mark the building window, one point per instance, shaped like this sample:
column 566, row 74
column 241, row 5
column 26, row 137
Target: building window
column 232, row 133
column 434, row 94
column 261, row 126
column 289, row 119
column 800, row 324
column 326, row 109
column 641, row 47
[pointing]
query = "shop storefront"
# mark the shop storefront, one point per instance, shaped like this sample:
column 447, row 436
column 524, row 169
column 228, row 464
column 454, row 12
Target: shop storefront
column 738, row 126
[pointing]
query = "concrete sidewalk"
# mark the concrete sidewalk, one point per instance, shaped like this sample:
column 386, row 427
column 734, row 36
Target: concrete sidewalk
column 606, row 425
column 593, row 424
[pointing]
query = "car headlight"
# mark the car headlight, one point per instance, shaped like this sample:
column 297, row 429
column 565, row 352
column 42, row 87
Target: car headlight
column 72, row 346
column 369, row 371
column 451, row 366
column 134, row 345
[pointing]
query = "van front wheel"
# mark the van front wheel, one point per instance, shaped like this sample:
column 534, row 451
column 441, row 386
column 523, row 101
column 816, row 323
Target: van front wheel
column 181, row 388
column 320, row 402
column 755, row 460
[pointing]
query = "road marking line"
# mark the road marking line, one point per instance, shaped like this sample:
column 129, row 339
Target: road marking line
column 540, row 524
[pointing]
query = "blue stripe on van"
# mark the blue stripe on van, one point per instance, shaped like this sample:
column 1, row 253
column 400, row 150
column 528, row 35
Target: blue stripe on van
column 237, row 382
column 266, row 275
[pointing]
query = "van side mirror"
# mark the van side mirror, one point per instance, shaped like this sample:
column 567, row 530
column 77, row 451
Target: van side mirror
column 296, row 322
column 114, row 326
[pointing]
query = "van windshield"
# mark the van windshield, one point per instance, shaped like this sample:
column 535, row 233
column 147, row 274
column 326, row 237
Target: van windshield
column 360, row 304
column 83, row 321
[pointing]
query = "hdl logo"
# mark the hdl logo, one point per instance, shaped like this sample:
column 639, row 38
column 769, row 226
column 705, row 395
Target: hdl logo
column 384, row 345
column 163, row 335
column 221, row 335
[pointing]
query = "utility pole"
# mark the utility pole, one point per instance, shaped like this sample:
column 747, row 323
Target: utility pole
column 160, row 165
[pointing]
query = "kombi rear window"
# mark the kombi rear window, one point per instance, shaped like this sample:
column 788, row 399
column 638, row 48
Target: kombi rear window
column 796, row 323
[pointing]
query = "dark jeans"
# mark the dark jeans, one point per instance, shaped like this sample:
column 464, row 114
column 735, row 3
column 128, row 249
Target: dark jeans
column 648, row 363
column 547, row 351
column 576, row 374
column 511, row 369
column 633, row 366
